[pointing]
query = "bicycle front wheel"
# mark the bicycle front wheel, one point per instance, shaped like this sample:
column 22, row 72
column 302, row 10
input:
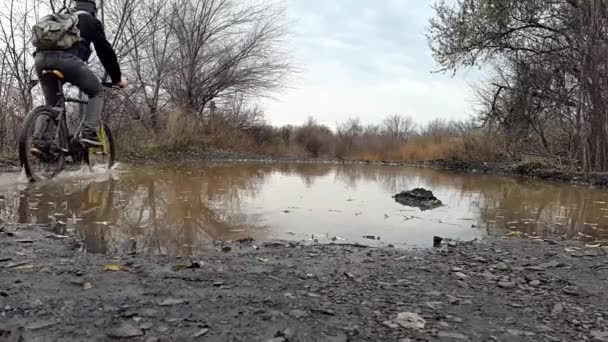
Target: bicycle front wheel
column 42, row 144
column 103, row 156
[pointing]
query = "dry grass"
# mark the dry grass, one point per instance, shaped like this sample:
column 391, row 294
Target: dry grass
column 184, row 133
column 419, row 149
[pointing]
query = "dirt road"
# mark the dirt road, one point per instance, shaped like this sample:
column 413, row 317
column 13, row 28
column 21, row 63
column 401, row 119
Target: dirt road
column 501, row 290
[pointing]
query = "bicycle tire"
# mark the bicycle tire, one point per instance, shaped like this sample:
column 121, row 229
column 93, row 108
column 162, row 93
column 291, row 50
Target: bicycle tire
column 60, row 143
column 107, row 149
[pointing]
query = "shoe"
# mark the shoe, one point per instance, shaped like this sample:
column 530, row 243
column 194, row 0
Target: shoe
column 40, row 148
column 90, row 138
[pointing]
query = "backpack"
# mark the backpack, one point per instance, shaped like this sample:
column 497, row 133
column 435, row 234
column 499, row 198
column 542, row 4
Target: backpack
column 57, row 31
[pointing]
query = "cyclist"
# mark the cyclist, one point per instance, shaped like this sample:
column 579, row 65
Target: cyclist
column 72, row 63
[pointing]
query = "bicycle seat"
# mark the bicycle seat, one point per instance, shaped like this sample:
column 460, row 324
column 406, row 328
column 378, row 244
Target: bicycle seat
column 53, row 72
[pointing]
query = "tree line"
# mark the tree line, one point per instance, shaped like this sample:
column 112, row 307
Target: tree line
column 201, row 58
column 547, row 96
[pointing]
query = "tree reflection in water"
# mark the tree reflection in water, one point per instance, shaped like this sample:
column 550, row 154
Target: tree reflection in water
column 181, row 210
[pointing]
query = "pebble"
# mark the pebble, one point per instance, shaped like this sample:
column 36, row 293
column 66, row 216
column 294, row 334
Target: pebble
column 506, row 284
column 535, row 283
column 410, row 320
column 171, row 302
column 599, row 336
column 452, row 335
column 200, row 333
column 126, row 330
column 277, row 339
column 557, row 309
column 146, row 326
column 298, row 314
column 501, row 266
column 390, row 324
column 461, row 275
column 572, row 290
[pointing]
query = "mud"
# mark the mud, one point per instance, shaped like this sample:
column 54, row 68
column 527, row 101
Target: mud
column 494, row 290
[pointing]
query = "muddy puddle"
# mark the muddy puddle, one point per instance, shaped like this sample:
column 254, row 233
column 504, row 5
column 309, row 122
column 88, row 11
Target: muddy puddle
column 183, row 210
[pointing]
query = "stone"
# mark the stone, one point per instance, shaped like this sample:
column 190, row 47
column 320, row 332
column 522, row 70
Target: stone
column 171, row 302
column 126, row 330
column 572, row 290
column 390, row 324
column 298, row 314
column 506, row 284
column 200, row 333
column 452, row 335
column 461, row 275
column 599, row 336
column 557, row 309
column 418, row 198
column 40, row 325
column 535, row 283
column 501, row 266
column 277, row 339
column 410, row 320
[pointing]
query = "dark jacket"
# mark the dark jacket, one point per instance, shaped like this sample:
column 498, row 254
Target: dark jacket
column 92, row 32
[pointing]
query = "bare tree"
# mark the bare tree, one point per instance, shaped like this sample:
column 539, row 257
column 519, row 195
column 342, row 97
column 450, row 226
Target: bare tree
column 225, row 46
column 398, row 127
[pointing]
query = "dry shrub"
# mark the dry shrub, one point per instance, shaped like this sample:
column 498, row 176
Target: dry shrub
column 182, row 129
column 316, row 139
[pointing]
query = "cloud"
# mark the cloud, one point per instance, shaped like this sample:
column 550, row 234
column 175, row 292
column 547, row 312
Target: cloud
column 368, row 59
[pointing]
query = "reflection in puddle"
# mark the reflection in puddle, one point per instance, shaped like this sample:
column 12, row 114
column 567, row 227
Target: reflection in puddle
column 182, row 210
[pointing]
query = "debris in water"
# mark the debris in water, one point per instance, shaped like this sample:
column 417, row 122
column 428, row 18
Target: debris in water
column 418, row 198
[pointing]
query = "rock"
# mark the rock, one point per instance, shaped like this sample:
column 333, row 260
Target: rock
column 40, row 325
column 338, row 337
column 453, row 300
column 599, row 336
column 434, row 305
column 535, row 283
column 277, row 339
column 201, row 333
column 410, row 320
column 298, row 314
column 452, row 335
column 171, row 302
column 418, row 198
column 149, row 312
column 516, row 332
column 287, row 333
column 324, row 312
column 146, row 326
column 572, row 290
column 557, row 309
column 506, row 284
column 127, row 330
column 390, row 324
column 501, row 266
column 461, row 275
column 152, row 339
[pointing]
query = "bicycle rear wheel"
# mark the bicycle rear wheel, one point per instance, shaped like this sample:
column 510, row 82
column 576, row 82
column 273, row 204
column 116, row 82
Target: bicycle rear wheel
column 103, row 156
column 42, row 150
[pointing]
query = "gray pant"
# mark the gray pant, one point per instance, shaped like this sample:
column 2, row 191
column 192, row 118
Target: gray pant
column 76, row 72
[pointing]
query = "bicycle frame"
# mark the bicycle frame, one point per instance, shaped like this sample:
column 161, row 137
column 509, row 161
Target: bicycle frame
column 60, row 107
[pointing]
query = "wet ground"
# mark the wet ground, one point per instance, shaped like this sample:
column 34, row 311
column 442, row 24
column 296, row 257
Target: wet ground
column 183, row 210
column 500, row 290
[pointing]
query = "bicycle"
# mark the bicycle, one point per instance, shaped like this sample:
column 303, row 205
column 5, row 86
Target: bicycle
column 62, row 144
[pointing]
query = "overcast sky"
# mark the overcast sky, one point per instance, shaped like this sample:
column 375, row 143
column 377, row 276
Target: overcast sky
column 366, row 59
